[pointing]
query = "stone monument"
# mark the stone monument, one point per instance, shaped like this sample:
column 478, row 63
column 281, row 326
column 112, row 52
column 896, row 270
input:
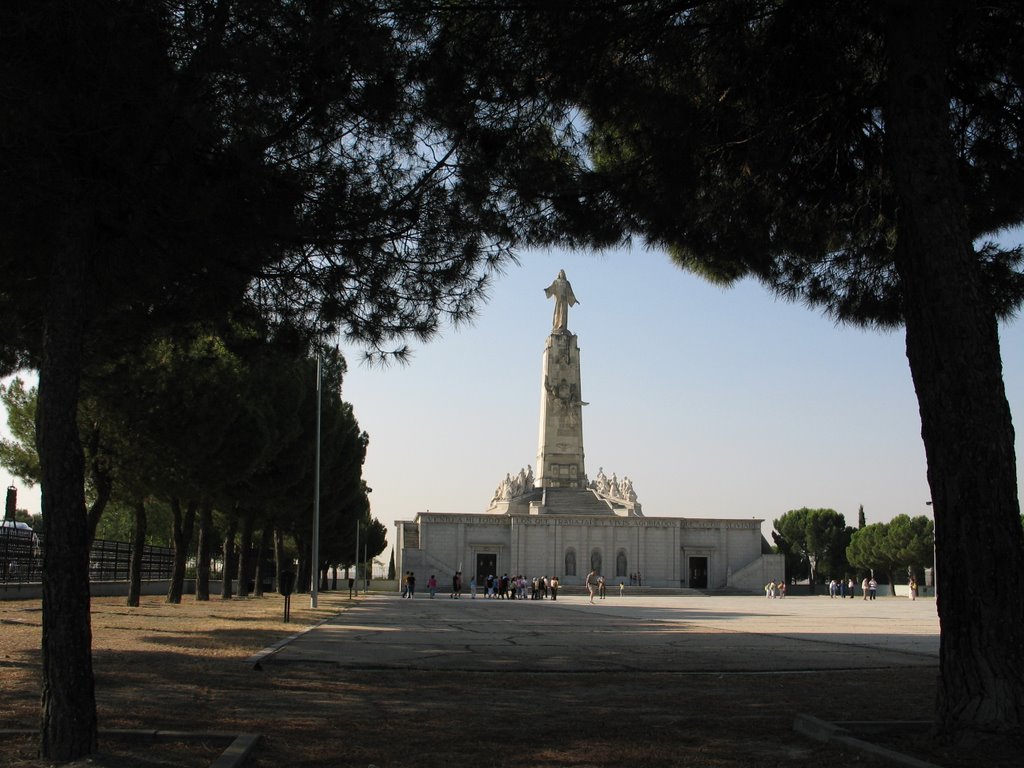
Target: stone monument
column 550, row 520
column 560, row 443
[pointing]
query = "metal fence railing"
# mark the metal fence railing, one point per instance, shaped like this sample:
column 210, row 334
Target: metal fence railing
column 21, row 559
column 109, row 561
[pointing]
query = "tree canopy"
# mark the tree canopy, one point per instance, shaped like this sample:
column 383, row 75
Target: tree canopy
column 18, row 454
column 904, row 543
column 819, row 536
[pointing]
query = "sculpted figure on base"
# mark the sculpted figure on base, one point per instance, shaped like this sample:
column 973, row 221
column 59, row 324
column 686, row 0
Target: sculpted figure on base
column 561, row 289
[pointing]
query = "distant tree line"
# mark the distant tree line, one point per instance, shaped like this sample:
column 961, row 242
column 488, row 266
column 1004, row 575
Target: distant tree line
column 204, row 442
column 819, row 546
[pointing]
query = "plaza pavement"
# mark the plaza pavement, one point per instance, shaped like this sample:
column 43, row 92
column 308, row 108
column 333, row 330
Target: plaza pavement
column 693, row 633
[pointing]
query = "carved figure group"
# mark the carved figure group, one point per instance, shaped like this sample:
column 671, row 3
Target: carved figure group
column 614, row 488
column 511, row 487
column 566, row 397
column 565, row 394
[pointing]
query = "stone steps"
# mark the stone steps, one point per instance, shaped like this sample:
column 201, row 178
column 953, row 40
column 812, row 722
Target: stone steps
column 574, row 501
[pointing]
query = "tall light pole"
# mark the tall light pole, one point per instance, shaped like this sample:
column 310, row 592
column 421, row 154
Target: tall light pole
column 314, row 565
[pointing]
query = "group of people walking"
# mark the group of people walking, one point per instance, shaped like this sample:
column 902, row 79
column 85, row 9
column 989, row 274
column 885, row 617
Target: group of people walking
column 409, row 584
column 848, row 588
column 503, row 587
column 507, row 587
column 456, row 585
column 775, row 589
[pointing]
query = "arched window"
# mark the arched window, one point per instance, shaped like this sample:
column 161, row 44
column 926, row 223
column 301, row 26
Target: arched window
column 595, row 560
column 620, row 563
column 570, row 562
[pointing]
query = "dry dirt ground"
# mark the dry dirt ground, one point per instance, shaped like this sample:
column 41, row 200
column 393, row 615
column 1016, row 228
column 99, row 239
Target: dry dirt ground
column 183, row 668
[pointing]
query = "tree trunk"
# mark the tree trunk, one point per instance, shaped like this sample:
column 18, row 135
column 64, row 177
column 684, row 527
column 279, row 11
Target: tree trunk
column 102, row 481
column 229, row 554
column 68, row 728
column 135, row 560
column 305, row 572
column 203, row 550
column 953, row 349
column 182, row 535
column 279, row 564
column 245, row 554
column 265, row 539
column 303, row 583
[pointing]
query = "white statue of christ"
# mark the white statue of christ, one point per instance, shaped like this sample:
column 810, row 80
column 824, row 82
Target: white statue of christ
column 561, row 289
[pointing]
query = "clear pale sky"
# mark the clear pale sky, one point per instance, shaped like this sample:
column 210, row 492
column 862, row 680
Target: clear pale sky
column 716, row 403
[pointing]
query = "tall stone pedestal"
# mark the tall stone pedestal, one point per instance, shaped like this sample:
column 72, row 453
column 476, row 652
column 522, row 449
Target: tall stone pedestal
column 560, row 447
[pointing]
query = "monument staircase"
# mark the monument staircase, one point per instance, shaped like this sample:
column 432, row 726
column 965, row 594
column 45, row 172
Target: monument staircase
column 575, row 501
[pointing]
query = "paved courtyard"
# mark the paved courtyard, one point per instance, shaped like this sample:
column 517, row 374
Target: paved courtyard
column 634, row 632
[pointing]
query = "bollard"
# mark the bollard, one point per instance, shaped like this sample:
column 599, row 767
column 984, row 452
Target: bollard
column 285, row 587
